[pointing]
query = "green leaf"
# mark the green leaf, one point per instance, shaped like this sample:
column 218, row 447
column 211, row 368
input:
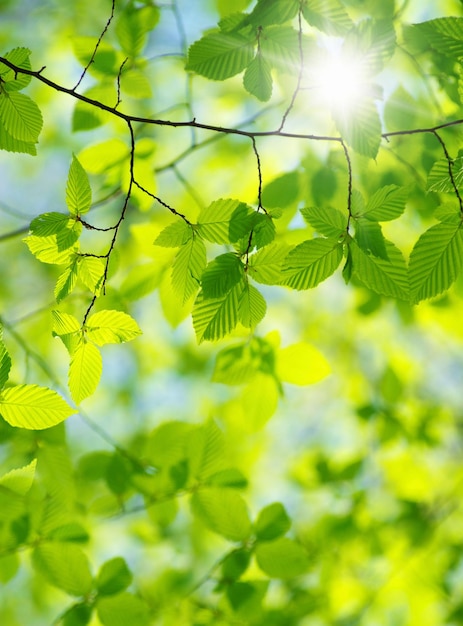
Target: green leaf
column 68, row 329
column 439, row 177
column 33, row 407
column 205, row 451
column 386, row 277
column 78, row 192
column 257, row 79
column 235, row 365
column 235, row 564
column 388, row 203
column 20, row 116
column 111, row 327
column 436, row 260
column 301, row 364
column 78, row 614
column 221, row 274
column 266, row 265
column 174, row 235
column 263, row 232
column 84, row 371
column 252, row 306
column 246, row 599
column 67, row 280
column 133, row 26
column 445, row 34
column 188, row 267
column 370, row 238
column 282, row 558
column 14, row 81
column 19, row 480
column 282, row 191
column 362, row 130
column 273, row 12
column 122, row 609
column 65, row 566
column 52, row 223
column 225, row 221
column 272, row 522
column 311, row 262
column 47, row 250
column 328, row 222
column 5, row 365
column 220, row 55
column 90, row 272
column 213, row 318
column 328, row 16
column 281, row 48
column 373, row 41
column 114, row 576
column 9, row 143
column 222, row 511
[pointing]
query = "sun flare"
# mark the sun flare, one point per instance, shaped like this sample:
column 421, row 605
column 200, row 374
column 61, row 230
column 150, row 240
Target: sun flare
column 339, row 80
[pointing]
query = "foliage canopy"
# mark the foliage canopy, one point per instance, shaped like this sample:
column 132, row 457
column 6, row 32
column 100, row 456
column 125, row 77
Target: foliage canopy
column 253, row 197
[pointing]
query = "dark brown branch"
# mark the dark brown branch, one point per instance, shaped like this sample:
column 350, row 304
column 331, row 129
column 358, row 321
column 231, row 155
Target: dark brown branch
column 450, row 168
column 349, row 183
column 164, row 204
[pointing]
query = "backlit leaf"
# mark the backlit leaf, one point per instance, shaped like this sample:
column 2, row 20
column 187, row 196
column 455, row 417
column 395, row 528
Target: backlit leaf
column 282, row 558
column 223, row 511
column 122, row 609
column 328, row 16
column 272, row 522
column 19, row 480
column 84, row 371
column 214, row 318
column 387, row 277
column 220, row 55
column 257, row 78
column 301, row 364
column 266, row 265
column 361, row 131
column 388, row 203
column 174, row 235
column 33, row 407
column 66, row 281
column 78, row 192
column 311, row 262
column 327, row 221
column 225, row 221
column 221, row 275
column 252, row 306
column 114, row 576
column 20, row 116
column 65, row 566
column 188, row 267
column 5, row 365
column 111, row 327
column 436, row 260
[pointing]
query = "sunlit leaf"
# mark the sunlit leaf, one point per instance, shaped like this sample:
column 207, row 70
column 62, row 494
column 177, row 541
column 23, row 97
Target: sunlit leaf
column 84, row 371
column 111, row 327
column 188, row 267
column 311, row 262
column 219, row 55
column 301, row 364
column 114, row 576
column 223, row 511
column 327, row 221
column 272, row 522
column 282, row 558
column 257, row 78
column 20, row 116
column 65, row 566
column 213, row 318
column 19, row 480
column 387, row 277
column 436, row 260
column 252, row 306
column 33, row 407
column 78, row 192
column 328, row 15
column 5, row 365
column 121, row 609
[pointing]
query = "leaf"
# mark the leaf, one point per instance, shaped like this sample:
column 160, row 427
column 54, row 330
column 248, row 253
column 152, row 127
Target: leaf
column 221, row 275
column 272, row 522
column 386, row 277
column 328, row 16
column 9, row 143
column 282, row 191
column 445, row 34
column 235, row 564
column 114, row 576
column 328, row 221
column 51, row 223
column 84, row 371
column 5, row 365
column 252, row 306
column 311, row 262
column 281, row 48
column 46, row 249
column 219, row 55
column 33, row 407
column 273, row 12
column 225, row 221
column 65, row 566
column 68, row 329
column 388, row 203
column 19, row 480
column 282, row 558
column 90, row 272
column 20, row 116
column 122, row 609
column 362, row 131
column 301, row 364
column 266, row 265
column 14, row 81
column 174, row 235
column 213, row 318
column 66, row 281
column 205, row 451
column 373, row 41
column 370, row 238
column 111, row 327
column 133, row 26
column 222, row 511
column 188, row 267
column 78, row 192
column 439, row 177
column 436, row 260
column 257, row 79
column 235, row 365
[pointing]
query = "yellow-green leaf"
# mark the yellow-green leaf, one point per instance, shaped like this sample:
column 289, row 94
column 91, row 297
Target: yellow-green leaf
column 84, row 371
column 111, row 327
column 33, row 407
column 301, row 364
